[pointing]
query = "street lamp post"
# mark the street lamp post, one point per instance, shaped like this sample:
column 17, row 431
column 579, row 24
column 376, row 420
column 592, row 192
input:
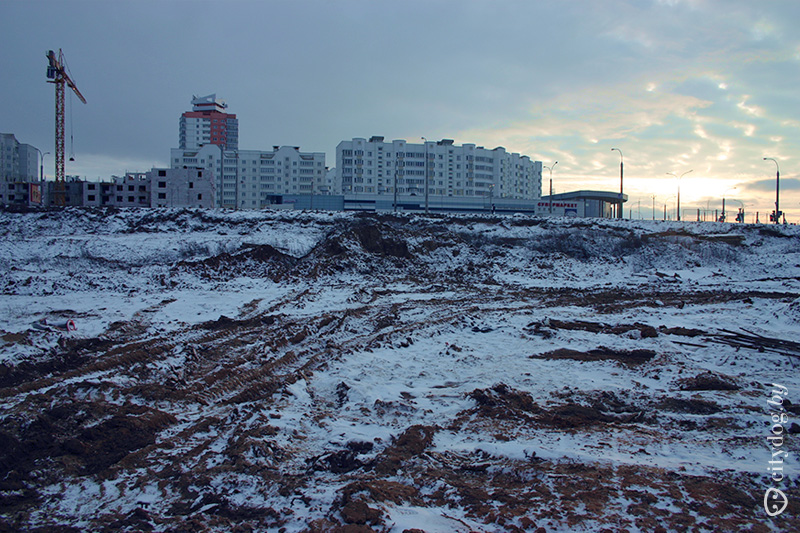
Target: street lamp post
column 777, row 189
column 41, row 166
column 666, row 201
column 426, row 174
column 619, row 215
column 724, row 217
column 551, row 185
column 654, row 206
column 679, row 190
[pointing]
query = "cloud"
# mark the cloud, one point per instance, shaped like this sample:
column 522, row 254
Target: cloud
column 764, row 29
column 750, row 110
column 747, row 129
column 768, row 185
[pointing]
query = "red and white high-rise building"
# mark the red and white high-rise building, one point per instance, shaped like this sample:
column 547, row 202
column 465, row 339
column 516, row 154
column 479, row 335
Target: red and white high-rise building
column 207, row 123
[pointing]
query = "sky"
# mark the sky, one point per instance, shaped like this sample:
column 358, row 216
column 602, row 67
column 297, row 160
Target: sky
column 700, row 88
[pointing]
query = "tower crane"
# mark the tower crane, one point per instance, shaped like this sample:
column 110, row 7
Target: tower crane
column 57, row 73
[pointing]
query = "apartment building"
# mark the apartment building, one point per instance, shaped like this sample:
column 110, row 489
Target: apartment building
column 373, row 166
column 19, row 172
column 250, row 179
column 208, row 123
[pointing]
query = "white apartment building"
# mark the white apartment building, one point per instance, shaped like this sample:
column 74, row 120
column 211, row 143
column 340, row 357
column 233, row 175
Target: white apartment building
column 19, row 172
column 330, row 184
column 250, row 179
column 374, row 167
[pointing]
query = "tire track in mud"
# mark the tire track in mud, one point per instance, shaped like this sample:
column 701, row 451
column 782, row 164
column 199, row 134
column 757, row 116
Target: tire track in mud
column 233, row 367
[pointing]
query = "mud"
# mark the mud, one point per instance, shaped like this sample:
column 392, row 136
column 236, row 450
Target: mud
column 183, row 430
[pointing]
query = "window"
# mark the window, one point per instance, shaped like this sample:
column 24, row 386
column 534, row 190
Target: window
column 90, row 198
column 191, row 185
column 162, row 172
column 162, row 196
column 91, row 186
column 199, row 196
column 162, row 184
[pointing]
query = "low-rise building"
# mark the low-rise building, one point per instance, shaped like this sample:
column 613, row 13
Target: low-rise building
column 159, row 187
column 181, row 187
column 131, row 190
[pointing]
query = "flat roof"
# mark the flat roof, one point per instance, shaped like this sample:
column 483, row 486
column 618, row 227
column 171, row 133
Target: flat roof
column 606, row 196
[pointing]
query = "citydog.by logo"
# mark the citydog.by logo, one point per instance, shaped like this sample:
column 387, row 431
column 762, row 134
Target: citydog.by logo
column 775, row 501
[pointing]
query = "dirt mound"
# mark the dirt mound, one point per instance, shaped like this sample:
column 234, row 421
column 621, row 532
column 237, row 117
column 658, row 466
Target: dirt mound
column 690, row 406
column 644, row 331
column 72, row 353
column 337, row 462
column 366, row 245
column 707, row 381
column 412, row 442
column 503, row 402
column 379, row 238
column 626, row 357
column 366, row 235
column 574, row 415
column 72, row 431
column 254, row 260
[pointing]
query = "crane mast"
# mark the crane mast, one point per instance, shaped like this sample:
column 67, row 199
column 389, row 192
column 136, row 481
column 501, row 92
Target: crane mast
column 57, row 74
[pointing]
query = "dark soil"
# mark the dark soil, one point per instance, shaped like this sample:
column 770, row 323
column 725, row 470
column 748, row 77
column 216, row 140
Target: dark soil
column 626, row 357
column 707, row 381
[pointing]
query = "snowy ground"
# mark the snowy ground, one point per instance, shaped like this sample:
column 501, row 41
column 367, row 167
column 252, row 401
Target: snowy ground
column 340, row 372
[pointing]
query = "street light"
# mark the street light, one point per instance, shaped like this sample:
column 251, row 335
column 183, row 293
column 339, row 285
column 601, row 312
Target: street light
column 551, row 185
column 724, row 218
column 666, row 201
column 395, row 186
column 620, row 181
column 777, row 190
column 426, row 174
column 654, row 205
column 41, row 167
column 679, row 190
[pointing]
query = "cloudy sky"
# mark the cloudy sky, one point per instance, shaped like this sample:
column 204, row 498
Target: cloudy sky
column 707, row 86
